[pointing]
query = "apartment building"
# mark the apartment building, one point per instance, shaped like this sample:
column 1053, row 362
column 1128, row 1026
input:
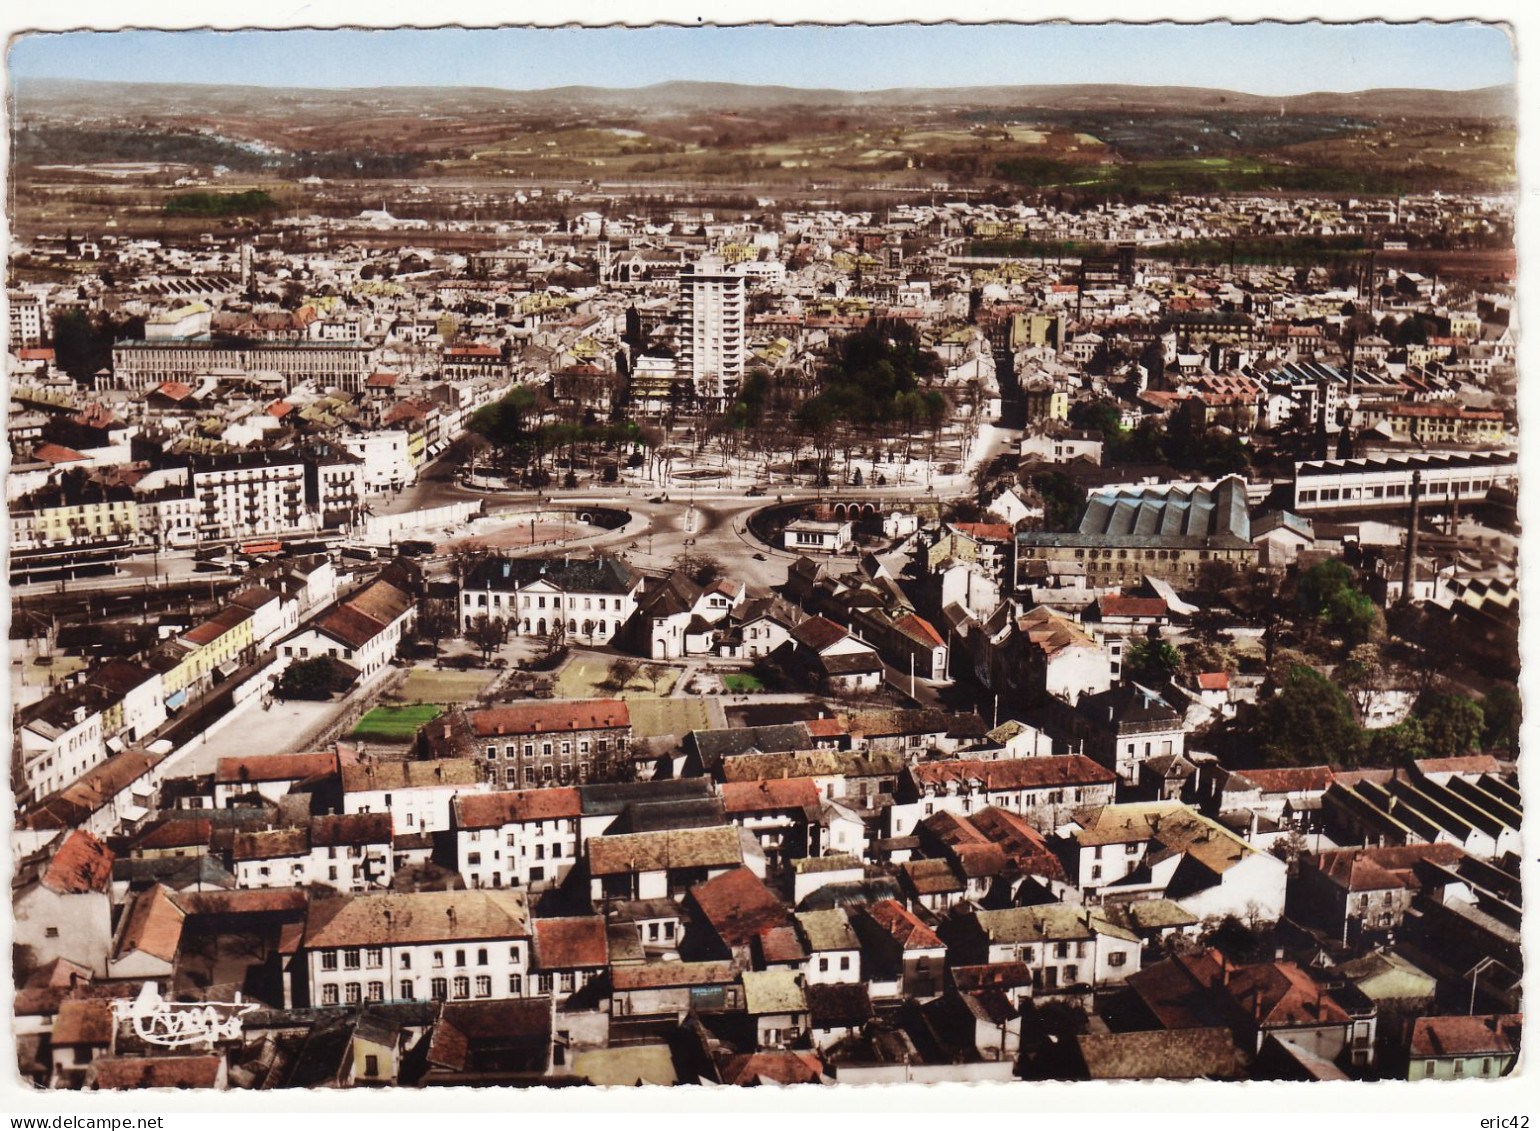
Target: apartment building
column 711, row 342
column 245, row 493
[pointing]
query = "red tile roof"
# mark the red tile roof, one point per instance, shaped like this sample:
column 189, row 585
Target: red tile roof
column 493, row 810
column 1383, row 869
column 1113, row 606
column 381, row 601
column 1024, row 847
column 779, row 1067
column 60, row 973
column 1291, row 779
column 1467, row 1036
column 250, row 901
column 781, row 793
column 556, row 715
column 350, row 627
column 826, row 728
column 898, row 921
column 739, row 906
column 565, row 944
column 1213, row 681
column 818, row 633
column 921, row 629
column 405, row 410
column 57, row 453
column 178, row 834
column 986, row 531
column 216, row 626
column 153, row 925
column 654, row 975
column 340, row 829
column 121, row 1072
column 274, row 767
column 1281, row 994
column 1016, row 773
column 86, row 1022
column 82, row 864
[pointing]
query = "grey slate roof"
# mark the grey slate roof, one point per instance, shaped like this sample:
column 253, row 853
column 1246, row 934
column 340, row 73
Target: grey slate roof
column 597, row 575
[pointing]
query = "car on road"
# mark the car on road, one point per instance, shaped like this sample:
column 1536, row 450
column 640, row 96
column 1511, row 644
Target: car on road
column 756, row 492
column 759, row 557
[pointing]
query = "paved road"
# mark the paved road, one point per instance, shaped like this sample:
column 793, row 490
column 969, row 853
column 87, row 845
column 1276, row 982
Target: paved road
column 702, row 517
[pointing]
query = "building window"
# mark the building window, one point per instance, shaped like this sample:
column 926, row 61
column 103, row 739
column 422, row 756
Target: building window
column 376, row 991
column 462, row 987
column 483, row 986
column 408, row 990
column 567, row 981
column 352, row 992
column 375, row 957
column 481, row 957
column 328, row 995
column 351, row 958
column 516, row 984
column 1117, row 958
column 329, row 960
column 440, row 989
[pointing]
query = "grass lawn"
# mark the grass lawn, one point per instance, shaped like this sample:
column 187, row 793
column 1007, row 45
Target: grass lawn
column 427, row 685
column 395, row 724
column 741, row 682
column 582, row 679
column 650, row 717
column 595, row 679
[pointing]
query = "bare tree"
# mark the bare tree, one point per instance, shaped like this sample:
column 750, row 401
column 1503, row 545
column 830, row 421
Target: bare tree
column 436, row 619
column 488, row 634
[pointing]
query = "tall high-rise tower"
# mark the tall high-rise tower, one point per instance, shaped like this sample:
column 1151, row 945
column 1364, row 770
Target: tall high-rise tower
column 711, row 342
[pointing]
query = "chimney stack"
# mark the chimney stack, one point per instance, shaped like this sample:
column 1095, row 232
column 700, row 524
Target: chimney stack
column 1409, row 567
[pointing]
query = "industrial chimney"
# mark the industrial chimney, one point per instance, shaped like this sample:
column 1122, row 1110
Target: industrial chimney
column 1409, row 566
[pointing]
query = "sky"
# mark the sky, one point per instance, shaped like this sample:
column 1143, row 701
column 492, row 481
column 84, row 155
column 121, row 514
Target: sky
column 1266, row 59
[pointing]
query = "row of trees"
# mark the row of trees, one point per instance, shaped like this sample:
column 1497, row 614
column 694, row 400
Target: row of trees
column 516, row 433
column 1312, row 721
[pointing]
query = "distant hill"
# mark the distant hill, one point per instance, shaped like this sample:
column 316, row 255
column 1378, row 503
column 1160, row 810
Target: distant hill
column 88, row 98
